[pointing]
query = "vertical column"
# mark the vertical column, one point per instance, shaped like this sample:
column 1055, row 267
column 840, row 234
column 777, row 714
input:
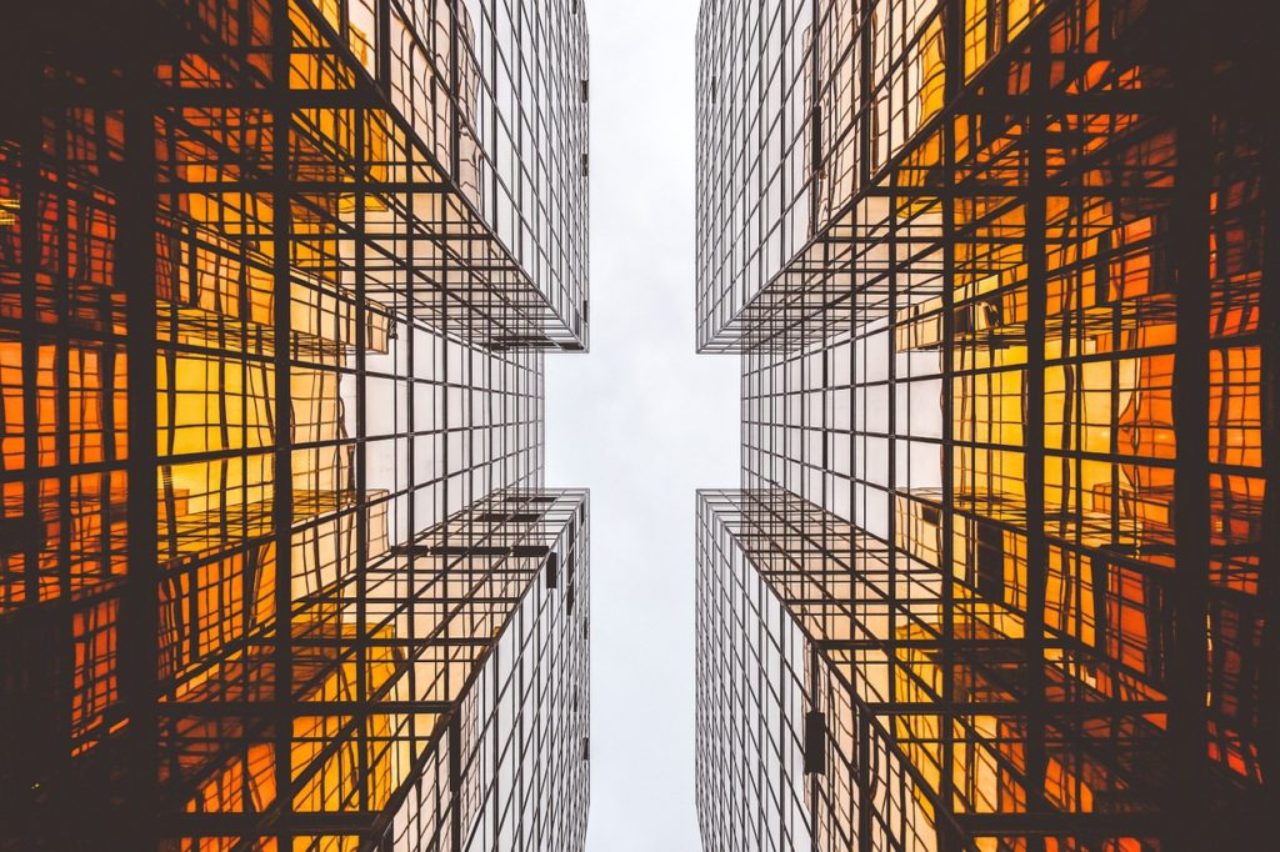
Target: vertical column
column 411, row 427
column 953, row 70
column 282, row 501
column 1188, row 248
column 1033, row 426
column 361, row 501
column 29, row 225
column 455, row 774
column 139, row 606
column 1269, row 563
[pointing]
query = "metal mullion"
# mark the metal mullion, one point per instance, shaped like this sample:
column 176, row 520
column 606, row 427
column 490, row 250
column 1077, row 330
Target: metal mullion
column 954, row 84
column 63, row 401
column 1037, row 559
column 1187, row 797
column 282, row 504
column 1268, row 592
column 362, row 467
column 32, row 150
column 411, row 495
column 139, row 608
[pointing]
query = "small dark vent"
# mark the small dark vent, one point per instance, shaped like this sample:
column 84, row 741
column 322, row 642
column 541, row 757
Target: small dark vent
column 585, row 91
column 990, row 580
column 553, row 570
column 815, row 741
column 514, row 517
column 585, row 168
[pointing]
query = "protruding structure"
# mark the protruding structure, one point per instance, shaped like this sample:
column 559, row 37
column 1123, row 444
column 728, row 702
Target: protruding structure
column 1001, row 284
column 276, row 277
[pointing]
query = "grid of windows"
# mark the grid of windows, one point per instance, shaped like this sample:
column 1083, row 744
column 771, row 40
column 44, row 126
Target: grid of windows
column 1004, row 410
column 750, row 732
column 275, row 281
column 521, row 732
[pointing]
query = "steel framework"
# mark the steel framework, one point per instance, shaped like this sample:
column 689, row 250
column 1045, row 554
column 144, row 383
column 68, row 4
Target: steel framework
column 277, row 569
column 1002, row 571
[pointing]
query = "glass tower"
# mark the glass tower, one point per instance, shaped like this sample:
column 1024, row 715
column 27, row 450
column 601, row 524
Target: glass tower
column 278, row 569
column 1001, row 572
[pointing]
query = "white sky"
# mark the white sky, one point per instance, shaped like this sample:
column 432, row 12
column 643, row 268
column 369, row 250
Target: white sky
column 643, row 422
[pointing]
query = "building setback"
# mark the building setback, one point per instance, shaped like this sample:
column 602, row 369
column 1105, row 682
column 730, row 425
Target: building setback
column 1001, row 572
column 279, row 569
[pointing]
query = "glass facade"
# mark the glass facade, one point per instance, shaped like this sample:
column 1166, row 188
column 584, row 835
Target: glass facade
column 278, row 567
column 1001, row 570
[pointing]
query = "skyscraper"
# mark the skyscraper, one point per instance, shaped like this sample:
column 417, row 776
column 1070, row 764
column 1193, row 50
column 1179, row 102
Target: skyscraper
column 1001, row 572
column 279, row 567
